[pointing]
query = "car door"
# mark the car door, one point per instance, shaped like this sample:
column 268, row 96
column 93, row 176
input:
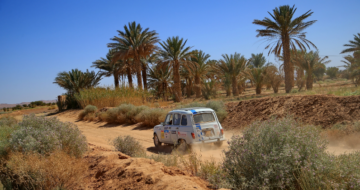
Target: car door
column 165, row 132
column 175, row 128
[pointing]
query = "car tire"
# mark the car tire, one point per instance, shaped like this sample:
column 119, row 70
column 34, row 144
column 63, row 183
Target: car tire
column 182, row 145
column 218, row 143
column 157, row 142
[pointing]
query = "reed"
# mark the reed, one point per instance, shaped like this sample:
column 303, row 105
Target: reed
column 111, row 97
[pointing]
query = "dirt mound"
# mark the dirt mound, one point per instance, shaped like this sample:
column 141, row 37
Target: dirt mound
column 114, row 170
column 320, row 110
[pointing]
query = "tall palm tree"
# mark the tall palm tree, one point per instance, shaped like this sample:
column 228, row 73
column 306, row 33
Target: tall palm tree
column 160, row 79
column 175, row 52
column 134, row 43
column 354, row 45
column 257, row 60
column 198, row 67
column 231, row 67
column 75, row 80
column 109, row 68
column 185, row 74
column 287, row 33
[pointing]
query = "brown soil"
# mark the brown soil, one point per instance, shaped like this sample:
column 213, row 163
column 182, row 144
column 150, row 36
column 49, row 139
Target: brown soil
column 322, row 110
column 114, row 170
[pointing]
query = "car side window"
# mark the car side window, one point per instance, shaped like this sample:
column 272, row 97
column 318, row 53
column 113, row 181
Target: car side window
column 184, row 120
column 177, row 119
column 168, row 120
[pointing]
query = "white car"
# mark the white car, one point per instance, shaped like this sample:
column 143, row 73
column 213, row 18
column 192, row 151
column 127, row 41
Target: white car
column 189, row 126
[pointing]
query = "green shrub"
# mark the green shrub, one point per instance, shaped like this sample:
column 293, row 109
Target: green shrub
column 45, row 135
column 88, row 112
column 151, row 117
column 8, row 121
column 294, row 90
column 129, row 146
column 131, row 115
column 7, row 126
column 270, row 153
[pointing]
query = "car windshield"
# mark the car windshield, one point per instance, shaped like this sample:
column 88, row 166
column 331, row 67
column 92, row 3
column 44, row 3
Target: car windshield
column 203, row 118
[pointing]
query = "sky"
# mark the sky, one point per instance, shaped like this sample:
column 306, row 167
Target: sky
column 39, row 39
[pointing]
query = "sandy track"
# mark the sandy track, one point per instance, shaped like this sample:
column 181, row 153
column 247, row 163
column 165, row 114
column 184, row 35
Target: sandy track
column 101, row 133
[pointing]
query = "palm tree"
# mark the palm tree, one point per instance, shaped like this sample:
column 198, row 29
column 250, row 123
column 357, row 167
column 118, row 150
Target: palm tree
column 309, row 62
column 353, row 44
column 160, row 79
column 175, row 52
column 198, row 67
column 185, row 74
column 134, row 43
column 257, row 60
column 109, row 68
column 231, row 67
column 273, row 76
column 257, row 76
column 75, row 80
column 288, row 33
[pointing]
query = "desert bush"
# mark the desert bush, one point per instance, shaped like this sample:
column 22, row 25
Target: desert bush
column 88, row 112
column 269, row 154
column 331, row 172
column 34, row 171
column 111, row 97
column 131, row 115
column 52, row 107
column 125, row 113
column 151, row 117
column 8, row 121
column 129, row 146
column 294, row 90
column 7, row 126
column 45, row 135
column 212, row 171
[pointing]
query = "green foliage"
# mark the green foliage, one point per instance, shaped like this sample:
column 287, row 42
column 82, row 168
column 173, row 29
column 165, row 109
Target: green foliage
column 7, row 126
column 5, row 109
column 129, row 146
column 75, row 80
column 269, row 154
column 294, row 91
column 45, row 135
column 332, row 72
column 38, row 103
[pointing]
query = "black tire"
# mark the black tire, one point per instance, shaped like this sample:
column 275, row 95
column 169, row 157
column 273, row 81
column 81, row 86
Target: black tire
column 218, row 143
column 157, row 143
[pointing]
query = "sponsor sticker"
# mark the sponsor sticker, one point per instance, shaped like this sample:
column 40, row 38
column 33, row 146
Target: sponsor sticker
column 162, row 134
column 166, row 128
column 182, row 134
column 173, row 132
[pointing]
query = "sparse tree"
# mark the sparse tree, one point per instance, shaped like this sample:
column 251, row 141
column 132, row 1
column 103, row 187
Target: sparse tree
column 332, row 72
column 288, row 33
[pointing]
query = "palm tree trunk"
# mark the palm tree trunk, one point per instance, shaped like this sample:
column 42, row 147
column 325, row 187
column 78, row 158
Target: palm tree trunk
column 116, row 80
column 138, row 73
column 177, row 85
column 309, row 81
column 289, row 71
column 197, row 87
column 144, row 75
column 128, row 72
column 258, row 89
column 188, row 87
column 234, row 85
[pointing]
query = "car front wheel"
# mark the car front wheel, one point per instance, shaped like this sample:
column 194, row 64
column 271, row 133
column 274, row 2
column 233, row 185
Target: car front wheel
column 157, row 143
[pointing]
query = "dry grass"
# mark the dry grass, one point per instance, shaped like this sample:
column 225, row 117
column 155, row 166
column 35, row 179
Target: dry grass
column 110, row 97
column 33, row 171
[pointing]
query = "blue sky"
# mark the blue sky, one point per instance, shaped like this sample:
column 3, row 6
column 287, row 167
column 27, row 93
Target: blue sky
column 38, row 39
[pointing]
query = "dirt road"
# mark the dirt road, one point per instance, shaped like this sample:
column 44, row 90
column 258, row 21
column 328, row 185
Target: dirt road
column 100, row 134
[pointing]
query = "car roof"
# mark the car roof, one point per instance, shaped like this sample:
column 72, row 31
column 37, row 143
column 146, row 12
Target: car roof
column 192, row 110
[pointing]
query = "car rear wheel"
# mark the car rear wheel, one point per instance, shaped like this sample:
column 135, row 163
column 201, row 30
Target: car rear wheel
column 157, row 143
